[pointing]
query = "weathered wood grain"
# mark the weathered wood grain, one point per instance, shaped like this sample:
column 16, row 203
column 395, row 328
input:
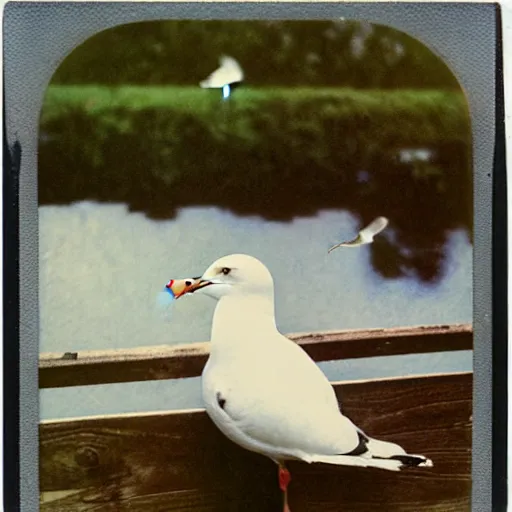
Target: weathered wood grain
column 170, row 362
column 179, row 461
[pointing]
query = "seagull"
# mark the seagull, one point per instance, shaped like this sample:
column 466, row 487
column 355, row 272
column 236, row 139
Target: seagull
column 366, row 235
column 264, row 392
column 227, row 76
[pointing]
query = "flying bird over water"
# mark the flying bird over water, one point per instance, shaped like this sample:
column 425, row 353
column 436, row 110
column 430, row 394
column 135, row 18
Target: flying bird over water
column 366, row 235
column 264, row 392
column 227, row 76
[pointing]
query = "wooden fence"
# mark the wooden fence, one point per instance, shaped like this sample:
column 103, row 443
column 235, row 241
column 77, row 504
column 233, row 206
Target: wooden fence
column 178, row 460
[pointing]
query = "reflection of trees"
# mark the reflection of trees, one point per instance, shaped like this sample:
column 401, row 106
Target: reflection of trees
column 332, row 53
column 279, row 174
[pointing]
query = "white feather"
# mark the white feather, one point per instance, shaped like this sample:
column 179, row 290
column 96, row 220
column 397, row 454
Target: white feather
column 229, row 72
column 365, row 236
column 347, row 460
column 374, row 228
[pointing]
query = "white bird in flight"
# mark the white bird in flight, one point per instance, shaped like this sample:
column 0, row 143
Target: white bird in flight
column 264, row 392
column 227, row 76
column 366, row 235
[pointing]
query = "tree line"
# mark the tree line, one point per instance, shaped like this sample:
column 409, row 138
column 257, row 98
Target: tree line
column 336, row 53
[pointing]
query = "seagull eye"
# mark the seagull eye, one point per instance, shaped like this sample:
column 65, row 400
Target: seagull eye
column 226, row 271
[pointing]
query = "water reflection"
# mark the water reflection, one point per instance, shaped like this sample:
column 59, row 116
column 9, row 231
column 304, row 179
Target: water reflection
column 427, row 191
column 102, row 268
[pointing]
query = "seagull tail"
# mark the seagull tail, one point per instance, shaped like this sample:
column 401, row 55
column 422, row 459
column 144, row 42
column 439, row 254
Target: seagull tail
column 383, row 450
column 357, row 460
column 379, row 454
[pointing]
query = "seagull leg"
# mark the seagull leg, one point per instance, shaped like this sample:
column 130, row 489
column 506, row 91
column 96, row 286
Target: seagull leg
column 284, row 480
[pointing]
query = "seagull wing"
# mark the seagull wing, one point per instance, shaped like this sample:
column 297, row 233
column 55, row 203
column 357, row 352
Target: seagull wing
column 277, row 402
column 374, row 228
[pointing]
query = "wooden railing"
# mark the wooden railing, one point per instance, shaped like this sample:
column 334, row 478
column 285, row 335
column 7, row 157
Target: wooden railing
column 178, row 460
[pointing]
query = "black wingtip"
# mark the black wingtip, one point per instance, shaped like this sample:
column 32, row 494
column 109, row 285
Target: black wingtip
column 361, row 447
column 412, row 461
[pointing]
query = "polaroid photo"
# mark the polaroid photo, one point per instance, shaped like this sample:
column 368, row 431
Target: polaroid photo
column 257, row 251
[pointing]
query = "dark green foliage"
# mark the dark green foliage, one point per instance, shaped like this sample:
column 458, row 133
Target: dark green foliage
column 335, row 53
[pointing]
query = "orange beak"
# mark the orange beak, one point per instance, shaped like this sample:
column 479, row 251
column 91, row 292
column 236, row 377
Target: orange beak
column 179, row 287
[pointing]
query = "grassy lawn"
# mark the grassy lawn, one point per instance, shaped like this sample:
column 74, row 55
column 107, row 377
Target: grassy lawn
column 448, row 108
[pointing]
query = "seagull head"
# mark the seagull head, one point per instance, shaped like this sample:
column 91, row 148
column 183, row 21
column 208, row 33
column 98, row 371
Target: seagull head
column 236, row 274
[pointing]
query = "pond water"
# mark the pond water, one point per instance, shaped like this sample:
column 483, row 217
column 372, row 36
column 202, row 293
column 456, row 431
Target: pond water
column 102, row 268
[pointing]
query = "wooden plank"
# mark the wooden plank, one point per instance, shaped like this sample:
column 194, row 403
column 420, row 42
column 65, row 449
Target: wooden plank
column 171, row 362
column 179, row 461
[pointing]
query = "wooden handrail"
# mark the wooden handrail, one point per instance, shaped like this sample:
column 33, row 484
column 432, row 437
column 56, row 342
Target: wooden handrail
column 179, row 361
column 179, row 460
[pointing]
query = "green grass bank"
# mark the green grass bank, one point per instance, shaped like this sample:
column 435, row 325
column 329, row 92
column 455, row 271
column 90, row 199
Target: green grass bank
column 276, row 152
